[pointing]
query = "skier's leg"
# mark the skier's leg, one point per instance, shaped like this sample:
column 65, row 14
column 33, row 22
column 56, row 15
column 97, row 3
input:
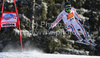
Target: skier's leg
column 87, row 38
column 75, row 31
column 84, row 32
column 80, row 39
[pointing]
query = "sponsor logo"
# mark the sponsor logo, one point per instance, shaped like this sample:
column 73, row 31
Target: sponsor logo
column 8, row 16
column 8, row 24
column 70, row 15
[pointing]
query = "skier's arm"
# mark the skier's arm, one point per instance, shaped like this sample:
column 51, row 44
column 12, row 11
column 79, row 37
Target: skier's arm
column 76, row 14
column 56, row 21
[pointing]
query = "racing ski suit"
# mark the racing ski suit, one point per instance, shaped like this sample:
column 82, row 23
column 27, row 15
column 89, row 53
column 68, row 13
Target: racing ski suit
column 71, row 24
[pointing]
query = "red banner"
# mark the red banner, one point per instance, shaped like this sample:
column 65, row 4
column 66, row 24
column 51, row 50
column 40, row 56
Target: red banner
column 10, row 19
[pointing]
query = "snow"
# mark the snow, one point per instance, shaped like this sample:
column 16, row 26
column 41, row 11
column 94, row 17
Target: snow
column 35, row 54
column 30, row 52
column 10, row 1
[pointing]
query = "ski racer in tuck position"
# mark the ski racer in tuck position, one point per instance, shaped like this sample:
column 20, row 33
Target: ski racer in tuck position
column 68, row 16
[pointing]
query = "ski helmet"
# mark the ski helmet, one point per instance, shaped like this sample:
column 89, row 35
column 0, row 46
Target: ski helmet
column 68, row 7
column 67, row 4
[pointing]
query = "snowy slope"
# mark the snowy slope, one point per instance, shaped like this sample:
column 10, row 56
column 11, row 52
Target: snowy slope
column 41, row 55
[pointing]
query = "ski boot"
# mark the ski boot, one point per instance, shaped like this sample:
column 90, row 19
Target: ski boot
column 82, row 42
column 90, row 42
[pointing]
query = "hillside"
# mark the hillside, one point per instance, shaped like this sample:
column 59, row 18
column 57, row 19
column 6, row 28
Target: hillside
column 36, row 17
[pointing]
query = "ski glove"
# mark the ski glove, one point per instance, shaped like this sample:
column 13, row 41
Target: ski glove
column 49, row 30
column 81, row 21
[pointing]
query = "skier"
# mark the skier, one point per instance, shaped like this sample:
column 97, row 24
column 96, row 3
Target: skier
column 68, row 16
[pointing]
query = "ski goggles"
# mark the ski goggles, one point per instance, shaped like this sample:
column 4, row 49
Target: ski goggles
column 68, row 8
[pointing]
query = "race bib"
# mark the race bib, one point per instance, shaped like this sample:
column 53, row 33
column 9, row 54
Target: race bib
column 70, row 15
